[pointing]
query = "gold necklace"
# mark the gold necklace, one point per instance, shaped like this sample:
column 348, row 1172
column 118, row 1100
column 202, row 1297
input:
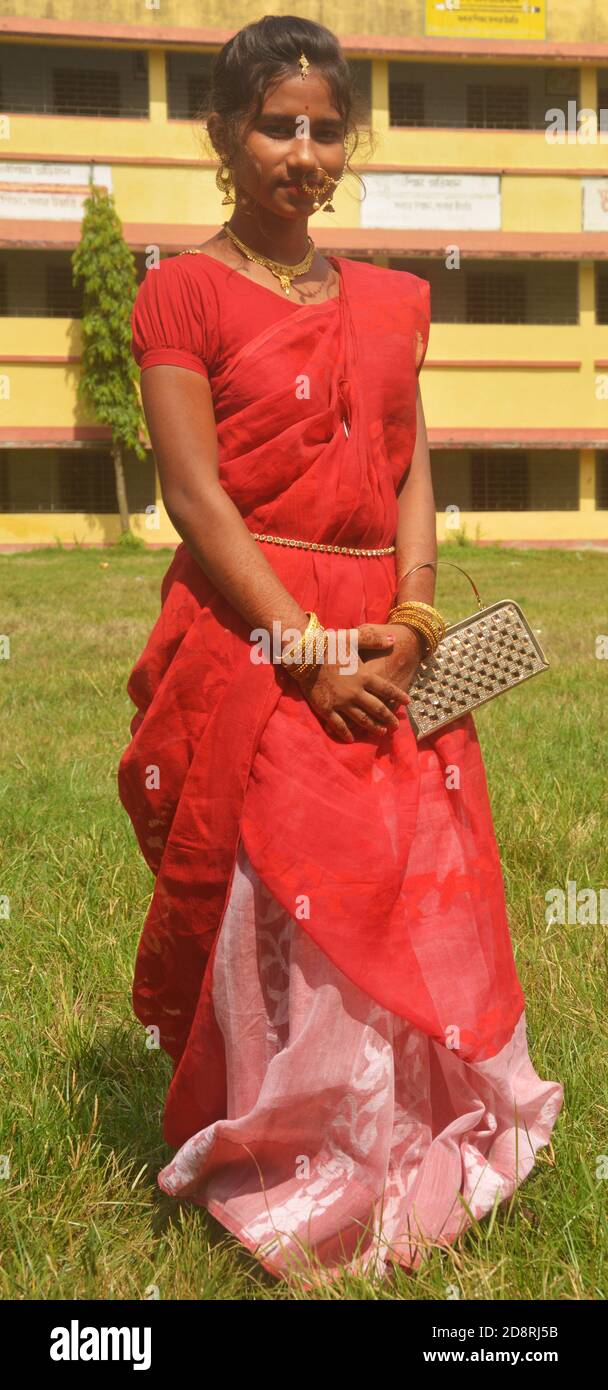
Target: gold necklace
column 284, row 273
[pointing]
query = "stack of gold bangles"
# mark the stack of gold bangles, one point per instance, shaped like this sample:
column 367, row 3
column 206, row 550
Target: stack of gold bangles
column 307, row 652
column 425, row 619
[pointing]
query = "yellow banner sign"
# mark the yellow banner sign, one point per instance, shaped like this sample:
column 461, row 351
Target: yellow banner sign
column 486, row 19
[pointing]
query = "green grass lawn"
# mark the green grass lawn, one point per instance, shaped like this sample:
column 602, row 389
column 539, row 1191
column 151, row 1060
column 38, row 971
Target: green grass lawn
column 82, row 1097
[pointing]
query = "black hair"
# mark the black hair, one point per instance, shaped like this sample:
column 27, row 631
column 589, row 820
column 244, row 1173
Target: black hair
column 267, row 51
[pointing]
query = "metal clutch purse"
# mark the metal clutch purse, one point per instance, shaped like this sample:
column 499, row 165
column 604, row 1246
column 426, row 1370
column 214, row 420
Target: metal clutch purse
column 478, row 658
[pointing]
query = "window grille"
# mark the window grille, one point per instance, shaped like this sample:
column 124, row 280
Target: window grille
column 188, row 80
column 197, row 95
column 63, row 298
column 78, row 92
column 407, row 105
column 601, row 488
column 601, row 294
column 38, row 284
column 496, row 106
column 71, row 480
column 4, row 485
column 86, row 484
column 477, row 96
column 541, row 480
column 499, row 483
column 139, row 63
column 60, row 80
column 496, row 298
column 499, row 291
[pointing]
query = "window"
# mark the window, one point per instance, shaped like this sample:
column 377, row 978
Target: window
column 38, row 284
column 71, row 480
column 542, row 480
column 498, row 291
column 86, row 484
column 497, row 106
column 478, row 96
column 601, row 487
column 496, row 298
column 63, row 81
column 82, row 92
column 601, row 293
column 4, row 485
column 188, row 81
column 407, row 105
column 63, row 299
column 499, row 484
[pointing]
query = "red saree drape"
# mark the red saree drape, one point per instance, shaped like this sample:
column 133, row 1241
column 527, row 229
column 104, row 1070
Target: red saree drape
column 383, row 852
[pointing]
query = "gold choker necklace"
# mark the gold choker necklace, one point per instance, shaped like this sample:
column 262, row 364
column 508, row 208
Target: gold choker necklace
column 284, row 273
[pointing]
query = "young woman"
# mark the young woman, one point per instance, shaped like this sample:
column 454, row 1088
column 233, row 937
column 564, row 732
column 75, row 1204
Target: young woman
column 327, row 957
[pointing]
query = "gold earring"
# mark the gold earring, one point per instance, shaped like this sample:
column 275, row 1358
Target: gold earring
column 223, row 182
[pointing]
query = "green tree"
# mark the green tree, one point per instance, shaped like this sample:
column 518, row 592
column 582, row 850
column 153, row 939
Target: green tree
column 108, row 380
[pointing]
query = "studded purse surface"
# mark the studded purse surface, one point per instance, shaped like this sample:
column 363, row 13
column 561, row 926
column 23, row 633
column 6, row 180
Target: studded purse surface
column 478, row 658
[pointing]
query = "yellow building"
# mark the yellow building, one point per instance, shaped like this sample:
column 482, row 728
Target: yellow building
column 490, row 179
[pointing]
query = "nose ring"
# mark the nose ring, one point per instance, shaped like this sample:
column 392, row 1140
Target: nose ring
column 318, row 189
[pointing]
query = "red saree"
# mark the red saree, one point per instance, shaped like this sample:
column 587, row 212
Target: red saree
column 317, row 904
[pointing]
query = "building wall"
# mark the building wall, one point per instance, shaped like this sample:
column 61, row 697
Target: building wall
column 567, row 20
column 538, row 387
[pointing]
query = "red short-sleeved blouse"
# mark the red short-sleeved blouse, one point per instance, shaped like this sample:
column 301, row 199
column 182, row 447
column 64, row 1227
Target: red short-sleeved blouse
column 179, row 307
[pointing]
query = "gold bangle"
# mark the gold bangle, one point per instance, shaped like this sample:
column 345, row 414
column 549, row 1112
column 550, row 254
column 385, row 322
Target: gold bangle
column 421, row 616
column 305, row 662
column 411, row 604
column 297, row 646
column 309, row 653
column 420, row 622
column 302, row 674
column 425, row 618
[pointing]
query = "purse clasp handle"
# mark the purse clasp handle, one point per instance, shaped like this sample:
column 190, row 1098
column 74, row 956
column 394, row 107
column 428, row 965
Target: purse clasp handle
column 432, row 564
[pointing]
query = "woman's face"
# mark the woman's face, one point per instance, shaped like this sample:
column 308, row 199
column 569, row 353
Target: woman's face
column 298, row 133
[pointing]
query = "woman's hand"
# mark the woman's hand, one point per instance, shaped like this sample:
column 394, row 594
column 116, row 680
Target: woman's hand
column 368, row 695
column 401, row 664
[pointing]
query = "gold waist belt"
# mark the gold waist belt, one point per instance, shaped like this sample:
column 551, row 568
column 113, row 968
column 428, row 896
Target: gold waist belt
column 318, row 545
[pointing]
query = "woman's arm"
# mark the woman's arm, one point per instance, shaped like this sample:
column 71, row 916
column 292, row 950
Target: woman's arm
column 179, row 412
column 416, row 540
column 417, row 528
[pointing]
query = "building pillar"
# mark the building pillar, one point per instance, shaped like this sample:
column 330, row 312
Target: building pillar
column 380, row 122
column 586, row 302
column 157, row 76
column 586, row 480
column 589, row 88
column 380, row 104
